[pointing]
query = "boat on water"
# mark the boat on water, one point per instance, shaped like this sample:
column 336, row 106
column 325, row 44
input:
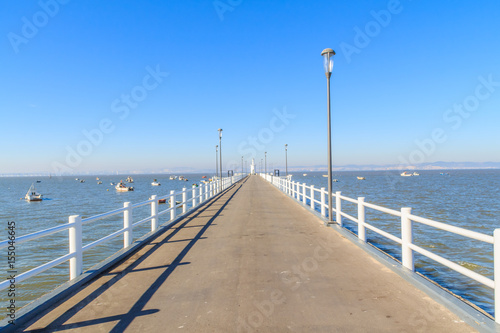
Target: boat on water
column 99, row 182
column 416, row 174
column 112, row 184
column 173, row 177
column 361, row 178
column 129, row 179
column 335, row 180
column 97, row 178
column 121, row 187
column 406, row 174
column 204, row 177
column 181, row 178
column 325, row 175
column 304, row 174
column 38, row 181
column 32, row 194
column 194, row 185
column 82, row 180
column 155, row 183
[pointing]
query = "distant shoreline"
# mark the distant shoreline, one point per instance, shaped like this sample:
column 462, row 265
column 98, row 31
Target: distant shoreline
column 290, row 170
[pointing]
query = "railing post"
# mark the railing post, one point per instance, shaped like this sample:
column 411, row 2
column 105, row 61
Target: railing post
column 172, row 205
column 312, row 197
column 154, row 213
column 406, row 239
column 338, row 208
column 75, row 246
column 211, row 189
column 361, row 219
column 193, row 202
column 322, row 201
column 184, row 198
column 127, row 225
column 496, row 273
column 304, row 193
column 207, row 188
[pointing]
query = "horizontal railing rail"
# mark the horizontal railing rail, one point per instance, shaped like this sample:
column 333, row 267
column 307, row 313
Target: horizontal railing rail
column 197, row 195
column 301, row 192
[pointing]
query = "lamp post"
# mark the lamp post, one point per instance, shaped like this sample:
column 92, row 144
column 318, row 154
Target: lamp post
column 286, row 159
column 261, row 164
column 242, row 166
column 220, row 155
column 216, row 161
column 328, row 64
column 265, row 163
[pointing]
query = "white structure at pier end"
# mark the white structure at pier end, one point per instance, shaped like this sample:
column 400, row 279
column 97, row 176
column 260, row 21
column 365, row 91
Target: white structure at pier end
column 252, row 167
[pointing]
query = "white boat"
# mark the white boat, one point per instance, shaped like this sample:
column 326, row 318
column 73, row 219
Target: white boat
column 173, row 177
column 304, row 174
column 325, row 175
column 121, row 187
column 129, row 179
column 99, row 182
column 155, row 183
column 335, row 180
column 361, row 178
column 406, row 174
column 416, row 174
column 32, row 194
column 112, row 184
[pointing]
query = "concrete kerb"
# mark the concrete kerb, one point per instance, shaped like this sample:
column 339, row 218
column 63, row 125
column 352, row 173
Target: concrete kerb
column 474, row 317
column 64, row 291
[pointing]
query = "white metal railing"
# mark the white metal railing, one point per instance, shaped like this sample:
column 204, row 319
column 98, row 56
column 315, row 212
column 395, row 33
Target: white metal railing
column 197, row 196
column 301, row 192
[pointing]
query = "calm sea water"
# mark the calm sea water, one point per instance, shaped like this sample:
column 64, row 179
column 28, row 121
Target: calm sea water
column 465, row 198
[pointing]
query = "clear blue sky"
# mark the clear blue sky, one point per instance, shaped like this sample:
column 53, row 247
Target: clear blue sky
column 403, row 71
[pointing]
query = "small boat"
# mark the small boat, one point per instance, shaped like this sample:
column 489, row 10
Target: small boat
column 99, row 183
column 361, row 178
column 121, row 187
column 181, row 177
column 204, row 177
column 177, row 202
column 32, row 194
column 155, row 183
column 82, row 180
column 406, row 174
column 162, row 201
column 325, row 176
column 97, row 178
column 173, row 177
column 416, row 174
column 129, row 179
column 38, row 181
column 335, row 180
column 77, row 179
column 304, row 174
column 112, row 184
column 194, row 185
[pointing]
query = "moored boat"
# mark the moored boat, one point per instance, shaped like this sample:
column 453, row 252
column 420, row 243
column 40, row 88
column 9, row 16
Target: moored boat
column 155, row 183
column 416, row 174
column 361, row 178
column 406, row 174
column 129, row 179
column 121, row 187
column 32, row 194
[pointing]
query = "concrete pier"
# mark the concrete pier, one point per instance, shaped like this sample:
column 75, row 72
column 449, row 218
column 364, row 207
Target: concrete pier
column 251, row 260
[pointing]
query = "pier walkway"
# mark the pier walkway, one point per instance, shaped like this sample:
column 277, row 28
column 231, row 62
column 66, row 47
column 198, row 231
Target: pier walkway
column 251, row 260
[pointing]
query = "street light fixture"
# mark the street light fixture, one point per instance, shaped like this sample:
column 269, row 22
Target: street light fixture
column 328, row 64
column 286, row 159
column 220, row 155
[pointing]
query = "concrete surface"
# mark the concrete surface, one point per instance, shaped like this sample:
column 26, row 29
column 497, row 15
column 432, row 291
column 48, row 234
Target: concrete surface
column 252, row 260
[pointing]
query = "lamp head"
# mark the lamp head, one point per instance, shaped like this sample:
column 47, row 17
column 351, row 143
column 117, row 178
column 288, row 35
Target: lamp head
column 328, row 60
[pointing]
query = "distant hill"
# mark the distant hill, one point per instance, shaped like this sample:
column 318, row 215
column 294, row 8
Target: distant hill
column 422, row 166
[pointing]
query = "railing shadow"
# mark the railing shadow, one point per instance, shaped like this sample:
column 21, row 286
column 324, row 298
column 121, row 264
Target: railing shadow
column 125, row 319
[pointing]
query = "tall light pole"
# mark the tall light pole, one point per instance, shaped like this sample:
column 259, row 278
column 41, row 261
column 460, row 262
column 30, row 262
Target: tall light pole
column 261, row 164
column 220, row 155
column 286, row 159
column 216, row 161
column 241, row 165
column 328, row 64
column 265, row 163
